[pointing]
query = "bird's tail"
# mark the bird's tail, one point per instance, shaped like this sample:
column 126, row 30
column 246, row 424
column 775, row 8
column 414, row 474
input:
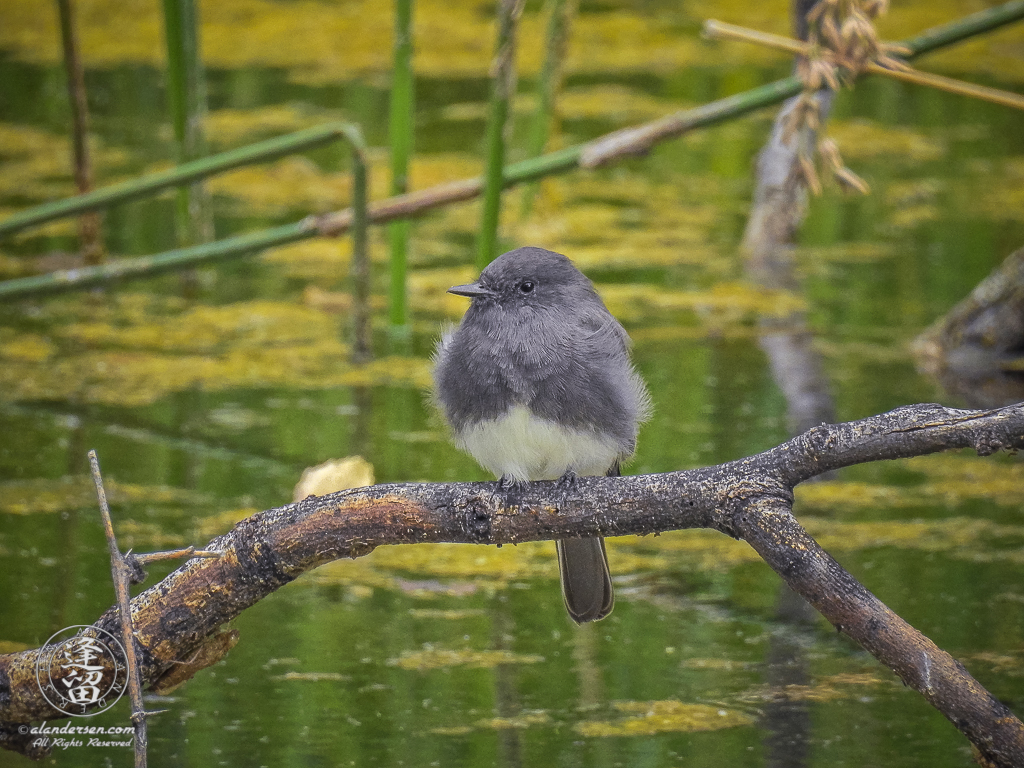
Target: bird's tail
column 586, row 581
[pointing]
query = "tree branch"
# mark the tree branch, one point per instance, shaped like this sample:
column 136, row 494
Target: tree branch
column 770, row 528
column 750, row 499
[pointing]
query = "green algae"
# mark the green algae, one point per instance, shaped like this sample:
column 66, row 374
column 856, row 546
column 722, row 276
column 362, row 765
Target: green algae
column 670, row 716
column 75, row 492
column 860, row 139
column 139, row 349
column 442, row 658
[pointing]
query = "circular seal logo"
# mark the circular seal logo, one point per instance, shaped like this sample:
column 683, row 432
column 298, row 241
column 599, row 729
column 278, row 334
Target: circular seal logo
column 82, row 674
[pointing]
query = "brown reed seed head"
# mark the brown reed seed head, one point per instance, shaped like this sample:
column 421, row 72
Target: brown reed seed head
column 843, row 43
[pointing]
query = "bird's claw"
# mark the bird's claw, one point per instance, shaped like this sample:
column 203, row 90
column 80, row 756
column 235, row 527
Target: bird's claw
column 567, row 482
column 507, row 483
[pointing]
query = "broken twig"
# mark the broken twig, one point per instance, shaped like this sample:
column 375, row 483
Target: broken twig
column 120, row 570
column 725, row 31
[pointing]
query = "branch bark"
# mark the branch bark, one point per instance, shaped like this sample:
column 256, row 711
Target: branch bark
column 749, row 499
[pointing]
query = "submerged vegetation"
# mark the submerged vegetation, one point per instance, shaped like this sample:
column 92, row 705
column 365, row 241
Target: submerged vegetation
column 207, row 404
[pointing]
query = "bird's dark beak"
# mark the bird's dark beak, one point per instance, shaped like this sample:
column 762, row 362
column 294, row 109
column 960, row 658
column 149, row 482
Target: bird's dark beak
column 472, row 290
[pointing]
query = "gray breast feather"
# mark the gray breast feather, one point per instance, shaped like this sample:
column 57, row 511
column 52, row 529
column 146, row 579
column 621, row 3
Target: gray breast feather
column 576, row 374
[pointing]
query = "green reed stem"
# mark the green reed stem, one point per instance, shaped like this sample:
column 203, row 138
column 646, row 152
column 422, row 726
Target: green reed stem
column 362, row 347
column 186, row 93
column 413, row 204
column 401, row 138
column 146, row 266
column 560, row 15
column 240, row 245
column 183, row 174
column 962, row 29
column 502, row 89
column 330, row 225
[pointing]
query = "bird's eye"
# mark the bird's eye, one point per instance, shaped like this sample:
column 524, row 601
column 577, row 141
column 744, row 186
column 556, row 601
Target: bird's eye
column 526, row 286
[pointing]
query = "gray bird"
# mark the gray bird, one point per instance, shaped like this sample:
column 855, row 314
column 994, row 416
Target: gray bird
column 536, row 384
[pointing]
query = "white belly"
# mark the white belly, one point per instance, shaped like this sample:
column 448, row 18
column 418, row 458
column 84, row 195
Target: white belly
column 530, row 448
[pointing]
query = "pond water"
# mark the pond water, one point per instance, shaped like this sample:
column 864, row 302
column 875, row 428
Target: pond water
column 205, row 399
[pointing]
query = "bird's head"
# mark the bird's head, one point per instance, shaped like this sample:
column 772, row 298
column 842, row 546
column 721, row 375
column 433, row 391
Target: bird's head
column 528, row 277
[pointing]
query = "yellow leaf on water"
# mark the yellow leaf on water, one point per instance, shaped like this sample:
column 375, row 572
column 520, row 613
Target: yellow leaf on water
column 954, row 478
column 1000, row 199
column 452, row 730
column 334, row 475
column 134, row 350
column 951, row 479
column 210, row 328
column 913, row 216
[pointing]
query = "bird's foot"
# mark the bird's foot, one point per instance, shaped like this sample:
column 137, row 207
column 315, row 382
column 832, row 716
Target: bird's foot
column 511, row 489
column 508, row 482
column 567, row 482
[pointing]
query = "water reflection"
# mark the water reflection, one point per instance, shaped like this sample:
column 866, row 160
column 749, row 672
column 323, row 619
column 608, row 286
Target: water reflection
column 700, row 623
column 799, row 371
column 975, row 349
column 787, row 719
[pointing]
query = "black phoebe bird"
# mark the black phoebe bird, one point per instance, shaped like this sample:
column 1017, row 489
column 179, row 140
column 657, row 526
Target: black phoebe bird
column 536, row 384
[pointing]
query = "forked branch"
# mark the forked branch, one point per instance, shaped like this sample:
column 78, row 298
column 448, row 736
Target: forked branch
column 751, row 499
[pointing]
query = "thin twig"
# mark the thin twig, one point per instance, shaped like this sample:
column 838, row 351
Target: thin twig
column 76, row 96
column 724, row 31
column 119, row 571
column 176, row 554
column 88, row 222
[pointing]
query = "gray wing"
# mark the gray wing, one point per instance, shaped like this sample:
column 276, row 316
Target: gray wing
column 594, row 386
